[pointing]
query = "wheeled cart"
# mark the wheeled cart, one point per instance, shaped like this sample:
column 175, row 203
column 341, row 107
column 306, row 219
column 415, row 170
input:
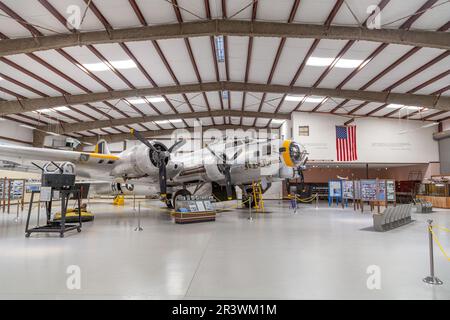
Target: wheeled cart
column 59, row 226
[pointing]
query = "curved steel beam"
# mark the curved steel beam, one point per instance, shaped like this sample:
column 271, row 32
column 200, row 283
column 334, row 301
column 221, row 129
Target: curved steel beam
column 437, row 102
column 65, row 128
column 417, row 38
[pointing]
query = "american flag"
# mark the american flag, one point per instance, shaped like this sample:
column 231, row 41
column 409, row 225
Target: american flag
column 346, row 143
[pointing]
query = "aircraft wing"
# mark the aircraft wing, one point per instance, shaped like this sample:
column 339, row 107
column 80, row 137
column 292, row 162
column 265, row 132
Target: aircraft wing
column 29, row 153
column 10, row 152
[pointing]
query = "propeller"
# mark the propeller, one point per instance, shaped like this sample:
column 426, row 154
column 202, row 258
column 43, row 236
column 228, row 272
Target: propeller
column 225, row 168
column 161, row 157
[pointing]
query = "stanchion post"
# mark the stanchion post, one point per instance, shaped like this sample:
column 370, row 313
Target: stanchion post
column 17, row 219
column 139, row 228
column 317, row 201
column 134, row 202
column 39, row 211
column 250, row 208
column 431, row 279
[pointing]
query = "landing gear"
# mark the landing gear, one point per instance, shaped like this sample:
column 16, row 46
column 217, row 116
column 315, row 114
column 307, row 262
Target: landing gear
column 168, row 203
column 181, row 192
column 245, row 198
column 167, row 200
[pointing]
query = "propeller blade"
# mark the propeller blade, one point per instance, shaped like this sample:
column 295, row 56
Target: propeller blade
column 162, row 179
column 227, row 174
column 304, row 162
column 177, row 146
column 214, row 154
column 139, row 137
column 237, row 154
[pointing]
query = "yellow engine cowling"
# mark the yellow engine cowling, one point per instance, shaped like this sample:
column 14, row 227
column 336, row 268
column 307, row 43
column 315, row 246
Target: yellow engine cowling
column 292, row 153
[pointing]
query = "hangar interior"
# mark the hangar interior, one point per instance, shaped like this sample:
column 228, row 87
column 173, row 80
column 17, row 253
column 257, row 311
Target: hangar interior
column 112, row 103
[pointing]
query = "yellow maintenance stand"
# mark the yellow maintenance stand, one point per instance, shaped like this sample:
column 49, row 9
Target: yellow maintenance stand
column 258, row 196
column 119, row 200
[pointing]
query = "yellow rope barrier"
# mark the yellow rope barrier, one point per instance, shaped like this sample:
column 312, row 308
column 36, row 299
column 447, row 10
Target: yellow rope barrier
column 305, row 200
column 435, row 238
column 441, row 228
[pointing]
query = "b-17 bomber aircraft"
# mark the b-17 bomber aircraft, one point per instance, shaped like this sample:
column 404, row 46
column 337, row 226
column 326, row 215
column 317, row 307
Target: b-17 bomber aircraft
column 151, row 168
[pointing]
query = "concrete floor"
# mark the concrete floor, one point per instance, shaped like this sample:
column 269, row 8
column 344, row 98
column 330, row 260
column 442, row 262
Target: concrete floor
column 314, row 254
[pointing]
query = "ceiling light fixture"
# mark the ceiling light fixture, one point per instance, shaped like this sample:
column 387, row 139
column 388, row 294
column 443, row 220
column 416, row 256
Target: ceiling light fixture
column 430, row 125
column 119, row 64
column 394, row 106
column 143, row 101
column 43, row 111
column 52, row 110
column 341, row 63
column 168, row 121
column 62, row 109
column 27, row 126
column 402, row 107
column 155, row 99
column 311, row 99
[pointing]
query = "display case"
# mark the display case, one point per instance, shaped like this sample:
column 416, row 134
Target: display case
column 435, row 192
column 434, row 189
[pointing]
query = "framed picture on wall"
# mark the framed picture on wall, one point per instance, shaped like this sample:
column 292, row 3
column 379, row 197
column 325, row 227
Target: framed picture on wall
column 303, row 131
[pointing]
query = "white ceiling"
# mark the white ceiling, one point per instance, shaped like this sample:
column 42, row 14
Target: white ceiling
column 120, row 14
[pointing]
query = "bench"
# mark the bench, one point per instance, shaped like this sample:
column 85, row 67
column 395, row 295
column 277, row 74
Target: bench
column 393, row 217
column 423, row 206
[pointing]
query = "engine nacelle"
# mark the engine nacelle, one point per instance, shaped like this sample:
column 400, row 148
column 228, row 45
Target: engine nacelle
column 287, row 173
column 136, row 162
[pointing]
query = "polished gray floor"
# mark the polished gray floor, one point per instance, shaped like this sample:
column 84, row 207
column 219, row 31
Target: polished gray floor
column 314, row 254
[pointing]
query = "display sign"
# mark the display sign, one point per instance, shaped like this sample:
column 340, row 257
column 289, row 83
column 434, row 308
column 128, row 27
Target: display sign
column 368, row 190
column 208, row 205
column 193, row 206
column 390, row 185
column 381, row 192
column 335, row 188
column 348, row 191
column 46, row 194
column 357, row 190
column 200, row 206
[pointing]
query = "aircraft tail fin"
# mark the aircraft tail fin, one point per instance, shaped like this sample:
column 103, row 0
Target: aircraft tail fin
column 102, row 147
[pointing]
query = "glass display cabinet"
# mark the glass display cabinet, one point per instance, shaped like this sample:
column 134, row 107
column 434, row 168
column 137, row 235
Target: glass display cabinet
column 438, row 193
